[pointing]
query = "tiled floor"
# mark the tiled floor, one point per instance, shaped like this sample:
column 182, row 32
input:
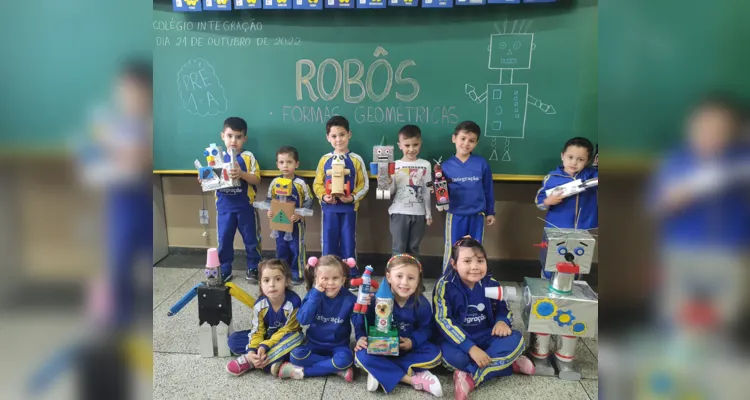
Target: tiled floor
column 180, row 373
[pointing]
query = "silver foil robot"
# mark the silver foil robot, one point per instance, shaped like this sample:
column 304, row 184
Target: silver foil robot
column 383, row 167
column 561, row 306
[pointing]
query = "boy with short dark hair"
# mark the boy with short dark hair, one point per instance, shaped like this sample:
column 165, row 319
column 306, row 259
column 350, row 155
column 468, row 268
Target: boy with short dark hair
column 472, row 197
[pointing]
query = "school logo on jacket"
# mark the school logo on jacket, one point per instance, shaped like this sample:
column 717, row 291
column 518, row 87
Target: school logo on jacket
column 325, row 320
column 403, row 327
column 475, row 315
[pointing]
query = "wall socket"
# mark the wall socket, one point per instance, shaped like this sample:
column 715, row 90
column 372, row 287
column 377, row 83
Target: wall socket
column 203, row 214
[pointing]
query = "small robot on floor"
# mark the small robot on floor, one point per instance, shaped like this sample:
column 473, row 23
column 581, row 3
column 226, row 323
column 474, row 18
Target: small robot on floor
column 214, row 308
column 560, row 305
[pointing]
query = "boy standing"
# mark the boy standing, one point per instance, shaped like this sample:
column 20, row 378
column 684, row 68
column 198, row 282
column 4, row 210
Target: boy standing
column 472, row 199
column 410, row 211
column 339, row 220
column 292, row 251
column 234, row 206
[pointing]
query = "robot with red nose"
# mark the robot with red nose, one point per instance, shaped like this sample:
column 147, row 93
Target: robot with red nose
column 439, row 186
column 560, row 306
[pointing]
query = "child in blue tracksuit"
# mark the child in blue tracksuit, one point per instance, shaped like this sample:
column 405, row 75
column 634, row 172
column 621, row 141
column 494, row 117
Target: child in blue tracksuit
column 292, row 251
column 472, row 198
column 412, row 315
column 580, row 211
column 339, row 219
column 234, row 206
column 275, row 328
column 326, row 311
column 478, row 343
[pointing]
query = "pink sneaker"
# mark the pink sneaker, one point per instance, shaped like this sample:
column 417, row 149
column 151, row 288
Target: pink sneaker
column 425, row 380
column 239, row 366
column 347, row 374
column 463, row 384
column 289, row 370
column 524, row 365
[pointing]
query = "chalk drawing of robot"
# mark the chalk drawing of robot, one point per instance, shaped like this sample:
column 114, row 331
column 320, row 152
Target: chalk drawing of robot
column 506, row 102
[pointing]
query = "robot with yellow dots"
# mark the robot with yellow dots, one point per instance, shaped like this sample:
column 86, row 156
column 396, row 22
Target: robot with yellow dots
column 282, row 206
column 561, row 306
column 215, row 175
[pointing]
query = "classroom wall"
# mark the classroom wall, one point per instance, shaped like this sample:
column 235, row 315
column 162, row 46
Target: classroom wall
column 511, row 237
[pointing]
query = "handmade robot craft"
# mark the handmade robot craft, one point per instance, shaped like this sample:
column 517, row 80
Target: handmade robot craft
column 572, row 188
column 439, row 186
column 337, row 185
column 382, row 339
column 281, row 203
column 214, row 308
column 215, row 175
column 364, row 283
column 561, row 305
column 383, row 167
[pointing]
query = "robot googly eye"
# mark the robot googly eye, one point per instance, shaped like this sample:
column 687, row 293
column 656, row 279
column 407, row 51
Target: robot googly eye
column 562, row 250
column 214, row 152
column 579, row 251
column 380, row 151
column 205, row 153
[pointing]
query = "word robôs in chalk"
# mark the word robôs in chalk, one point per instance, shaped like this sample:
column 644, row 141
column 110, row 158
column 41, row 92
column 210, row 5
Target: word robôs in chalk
column 384, row 167
column 338, row 185
column 439, row 186
column 382, row 339
column 214, row 307
column 215, row 175
column 282, row 207
column 561, row 305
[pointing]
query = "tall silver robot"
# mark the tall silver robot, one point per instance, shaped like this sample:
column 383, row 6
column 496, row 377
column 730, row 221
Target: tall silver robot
column 561, row 306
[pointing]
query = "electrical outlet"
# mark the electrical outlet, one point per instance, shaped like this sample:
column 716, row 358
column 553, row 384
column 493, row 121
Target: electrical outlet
column 203, row 214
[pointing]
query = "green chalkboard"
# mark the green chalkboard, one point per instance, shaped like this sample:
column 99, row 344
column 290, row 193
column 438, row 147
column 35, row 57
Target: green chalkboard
column 671, row 55
column 59, row 59
column 527, row 76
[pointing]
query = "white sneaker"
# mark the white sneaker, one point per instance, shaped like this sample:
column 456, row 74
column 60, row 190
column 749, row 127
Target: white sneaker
column 372, row 383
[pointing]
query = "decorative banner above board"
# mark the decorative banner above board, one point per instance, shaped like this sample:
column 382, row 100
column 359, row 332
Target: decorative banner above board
column 228, row 5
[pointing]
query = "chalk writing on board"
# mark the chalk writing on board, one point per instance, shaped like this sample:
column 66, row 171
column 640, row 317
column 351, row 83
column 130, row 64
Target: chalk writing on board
column 354, row 75
column 200, row 89
column 401, row 114
column 211, row 41
column 207, row 26
column 406, row 114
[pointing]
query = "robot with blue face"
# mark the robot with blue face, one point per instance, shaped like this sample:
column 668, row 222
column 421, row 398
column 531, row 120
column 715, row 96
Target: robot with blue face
column 560, row 306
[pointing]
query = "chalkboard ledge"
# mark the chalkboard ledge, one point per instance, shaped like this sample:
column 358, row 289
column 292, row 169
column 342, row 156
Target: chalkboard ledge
column 311, row 174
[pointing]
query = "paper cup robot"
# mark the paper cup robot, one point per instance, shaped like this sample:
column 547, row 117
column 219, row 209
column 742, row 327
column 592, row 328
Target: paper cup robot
column 561, row 306
column 383, row 167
